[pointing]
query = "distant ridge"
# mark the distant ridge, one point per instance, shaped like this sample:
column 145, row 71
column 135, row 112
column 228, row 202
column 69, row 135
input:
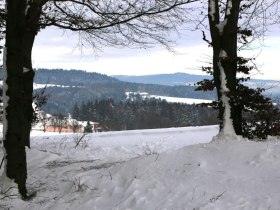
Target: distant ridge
column 164, row 79
column 180, row 78
column 71, row 77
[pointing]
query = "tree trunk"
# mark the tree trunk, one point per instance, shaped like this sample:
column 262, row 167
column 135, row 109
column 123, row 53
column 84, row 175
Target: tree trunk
column 31, row 29
column 14, row 144
column 224, row 40
column 22, row 27
column 28, row 77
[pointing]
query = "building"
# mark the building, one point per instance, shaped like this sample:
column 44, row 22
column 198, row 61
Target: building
column 65, row 125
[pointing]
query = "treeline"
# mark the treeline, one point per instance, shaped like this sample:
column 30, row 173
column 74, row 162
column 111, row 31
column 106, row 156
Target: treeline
column 71, row 77
column 143, row 114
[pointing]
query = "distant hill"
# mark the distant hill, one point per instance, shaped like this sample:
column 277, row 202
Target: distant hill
column 164, row 79
column 272, row 86
column 179, row 79
column 71, row 77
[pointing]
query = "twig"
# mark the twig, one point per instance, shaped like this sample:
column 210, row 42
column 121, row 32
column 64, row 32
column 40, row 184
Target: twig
column 2, row 161
column 205, row 39
column 80, row 139
column 212, row 200
column 4, row 193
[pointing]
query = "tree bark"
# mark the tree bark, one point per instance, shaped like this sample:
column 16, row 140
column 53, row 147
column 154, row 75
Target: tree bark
column 22, row 27
column 14, row 144
column 31, row 29
column 28, row 78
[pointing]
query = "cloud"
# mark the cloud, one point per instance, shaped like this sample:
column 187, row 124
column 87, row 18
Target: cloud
column 53, row 49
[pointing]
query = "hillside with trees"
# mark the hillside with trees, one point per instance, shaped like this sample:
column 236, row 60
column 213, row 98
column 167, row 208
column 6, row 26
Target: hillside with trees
column 77, row 86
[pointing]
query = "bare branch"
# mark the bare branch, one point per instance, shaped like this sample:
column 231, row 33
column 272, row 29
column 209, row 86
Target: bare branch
column 205, row 39
column 117, row 23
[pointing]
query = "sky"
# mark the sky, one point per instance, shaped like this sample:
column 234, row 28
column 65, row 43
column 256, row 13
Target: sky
column 54, row 48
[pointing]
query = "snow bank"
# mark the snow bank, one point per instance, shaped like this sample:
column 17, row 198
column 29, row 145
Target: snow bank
column 151, row 169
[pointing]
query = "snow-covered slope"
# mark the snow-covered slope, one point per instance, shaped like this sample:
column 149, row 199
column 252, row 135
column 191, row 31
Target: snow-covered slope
column 145, row 95
column 181, row 100
column 159, row 169
column 40, row 86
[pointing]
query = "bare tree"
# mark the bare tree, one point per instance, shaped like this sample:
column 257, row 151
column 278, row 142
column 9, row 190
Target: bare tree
column 74, row 125
column 53, row 123
column 101, row 23
column 58, row 122
column 44, row 119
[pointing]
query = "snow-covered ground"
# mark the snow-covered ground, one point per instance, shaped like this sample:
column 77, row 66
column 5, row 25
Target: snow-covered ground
column 181, row 100
column 168, row 99
column 176, row 168
column 40, row 86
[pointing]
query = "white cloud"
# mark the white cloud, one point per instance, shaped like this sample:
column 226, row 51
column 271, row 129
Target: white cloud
column 57, row 51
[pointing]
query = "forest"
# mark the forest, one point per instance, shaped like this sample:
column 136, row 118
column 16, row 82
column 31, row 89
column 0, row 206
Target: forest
column 143, row 114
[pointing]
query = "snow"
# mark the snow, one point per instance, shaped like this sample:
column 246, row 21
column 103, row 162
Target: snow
column 5, row 182
column 25, row 70
column 221, row 26
column 169, row 99
column 229, row 7
column 5, row 88
column 181, row 100
column 223, row 23
column 212, row 9
column 175, row 168
column 223, row 54
column 27, row 8
column 227, row 133
column 40, row 86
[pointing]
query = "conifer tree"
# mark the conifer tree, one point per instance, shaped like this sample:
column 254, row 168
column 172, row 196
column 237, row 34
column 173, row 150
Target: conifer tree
column 76, row 112
column 88, row 128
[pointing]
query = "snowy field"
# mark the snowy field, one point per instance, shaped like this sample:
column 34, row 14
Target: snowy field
column 162, row 169
column 169, row 99
column 181, row 100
